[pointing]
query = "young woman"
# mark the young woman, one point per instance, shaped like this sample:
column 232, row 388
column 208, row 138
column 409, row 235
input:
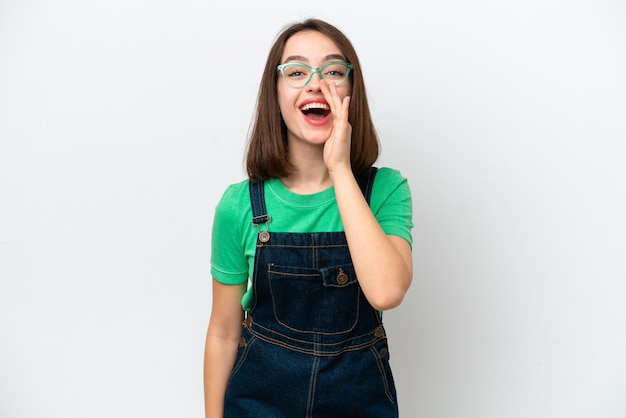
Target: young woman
column 323, row 238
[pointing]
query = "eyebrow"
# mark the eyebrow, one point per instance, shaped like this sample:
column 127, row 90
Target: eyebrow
column 301, row 58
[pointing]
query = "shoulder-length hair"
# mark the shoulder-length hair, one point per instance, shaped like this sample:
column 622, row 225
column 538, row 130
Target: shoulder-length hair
column 267, row 146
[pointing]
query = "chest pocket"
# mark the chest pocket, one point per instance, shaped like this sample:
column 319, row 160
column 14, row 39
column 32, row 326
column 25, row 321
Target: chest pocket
column 315, row 300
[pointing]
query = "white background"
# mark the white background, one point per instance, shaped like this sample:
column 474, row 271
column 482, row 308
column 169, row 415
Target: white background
column 122, row 121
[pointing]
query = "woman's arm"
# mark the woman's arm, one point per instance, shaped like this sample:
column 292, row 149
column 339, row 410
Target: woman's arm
column 382, row 262
column 221, row 344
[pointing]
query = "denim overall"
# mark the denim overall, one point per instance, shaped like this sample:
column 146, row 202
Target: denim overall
column 312, row 345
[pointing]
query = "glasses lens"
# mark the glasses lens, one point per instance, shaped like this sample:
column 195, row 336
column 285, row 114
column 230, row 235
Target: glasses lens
column 296, row 74
column 335, row 72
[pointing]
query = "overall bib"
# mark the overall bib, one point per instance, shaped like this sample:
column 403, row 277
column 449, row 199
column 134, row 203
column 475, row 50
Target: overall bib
column 312, row 345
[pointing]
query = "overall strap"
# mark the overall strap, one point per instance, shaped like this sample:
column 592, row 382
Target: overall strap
column 257, row 198
column 366, row 183
column 257, row 195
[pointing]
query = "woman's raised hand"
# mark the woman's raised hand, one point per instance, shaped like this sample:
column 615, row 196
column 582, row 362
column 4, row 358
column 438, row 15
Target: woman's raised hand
column 337, row 147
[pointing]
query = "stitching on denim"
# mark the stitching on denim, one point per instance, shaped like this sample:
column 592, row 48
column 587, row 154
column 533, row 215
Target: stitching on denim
column 315, row 353
column 312, row 386
column 322, row 273
column 328, row 334
column 244, row 356
column 270, row 271
column 308, row 342
column 276, row 316
column 330, row 246
column 383, row 374
column 318, row 349
column 260, row 194
column 254, row 197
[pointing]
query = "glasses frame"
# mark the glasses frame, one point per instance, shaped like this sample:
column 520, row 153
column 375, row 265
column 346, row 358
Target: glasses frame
column 318, row 70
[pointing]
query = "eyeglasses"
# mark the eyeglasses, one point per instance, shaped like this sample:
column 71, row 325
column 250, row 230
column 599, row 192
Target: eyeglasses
column 298, row 75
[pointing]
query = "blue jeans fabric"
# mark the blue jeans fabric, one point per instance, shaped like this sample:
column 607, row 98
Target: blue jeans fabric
column 312, row 346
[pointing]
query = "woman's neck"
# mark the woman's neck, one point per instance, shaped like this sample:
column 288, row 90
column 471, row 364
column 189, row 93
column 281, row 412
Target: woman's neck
column 310, row 174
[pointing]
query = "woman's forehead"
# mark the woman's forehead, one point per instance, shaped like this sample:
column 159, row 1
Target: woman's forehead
column 311, row 47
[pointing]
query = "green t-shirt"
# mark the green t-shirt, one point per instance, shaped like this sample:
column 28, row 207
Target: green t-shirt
column 234, row 236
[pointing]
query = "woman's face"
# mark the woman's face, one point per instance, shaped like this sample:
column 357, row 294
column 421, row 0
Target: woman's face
column 305, row 110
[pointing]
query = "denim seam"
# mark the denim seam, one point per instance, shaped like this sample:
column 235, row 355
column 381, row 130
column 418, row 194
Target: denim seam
column 313, row 247
column 326, row 348
column 312, row 386
column 244, row 356
column 383, row 374
column 316, row 353
column 344, row 341
column 274, row 269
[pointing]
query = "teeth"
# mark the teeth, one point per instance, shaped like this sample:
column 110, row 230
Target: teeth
column 310, row 106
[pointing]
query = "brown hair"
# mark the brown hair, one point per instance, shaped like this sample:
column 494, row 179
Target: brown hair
column 267, row 147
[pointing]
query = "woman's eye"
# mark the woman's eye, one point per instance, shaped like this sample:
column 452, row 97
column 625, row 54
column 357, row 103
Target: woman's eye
column 296, row 71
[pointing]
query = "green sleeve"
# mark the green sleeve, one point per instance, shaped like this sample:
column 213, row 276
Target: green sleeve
column 228, row 261
column 391, row 203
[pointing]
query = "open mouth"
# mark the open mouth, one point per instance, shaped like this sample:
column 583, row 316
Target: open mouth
column 315, row 110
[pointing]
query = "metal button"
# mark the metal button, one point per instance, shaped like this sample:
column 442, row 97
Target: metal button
column 264, row 236
column 247, row 322
column 379, row 332
column 383, row 352
column 242, row 342
column 342, row 278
